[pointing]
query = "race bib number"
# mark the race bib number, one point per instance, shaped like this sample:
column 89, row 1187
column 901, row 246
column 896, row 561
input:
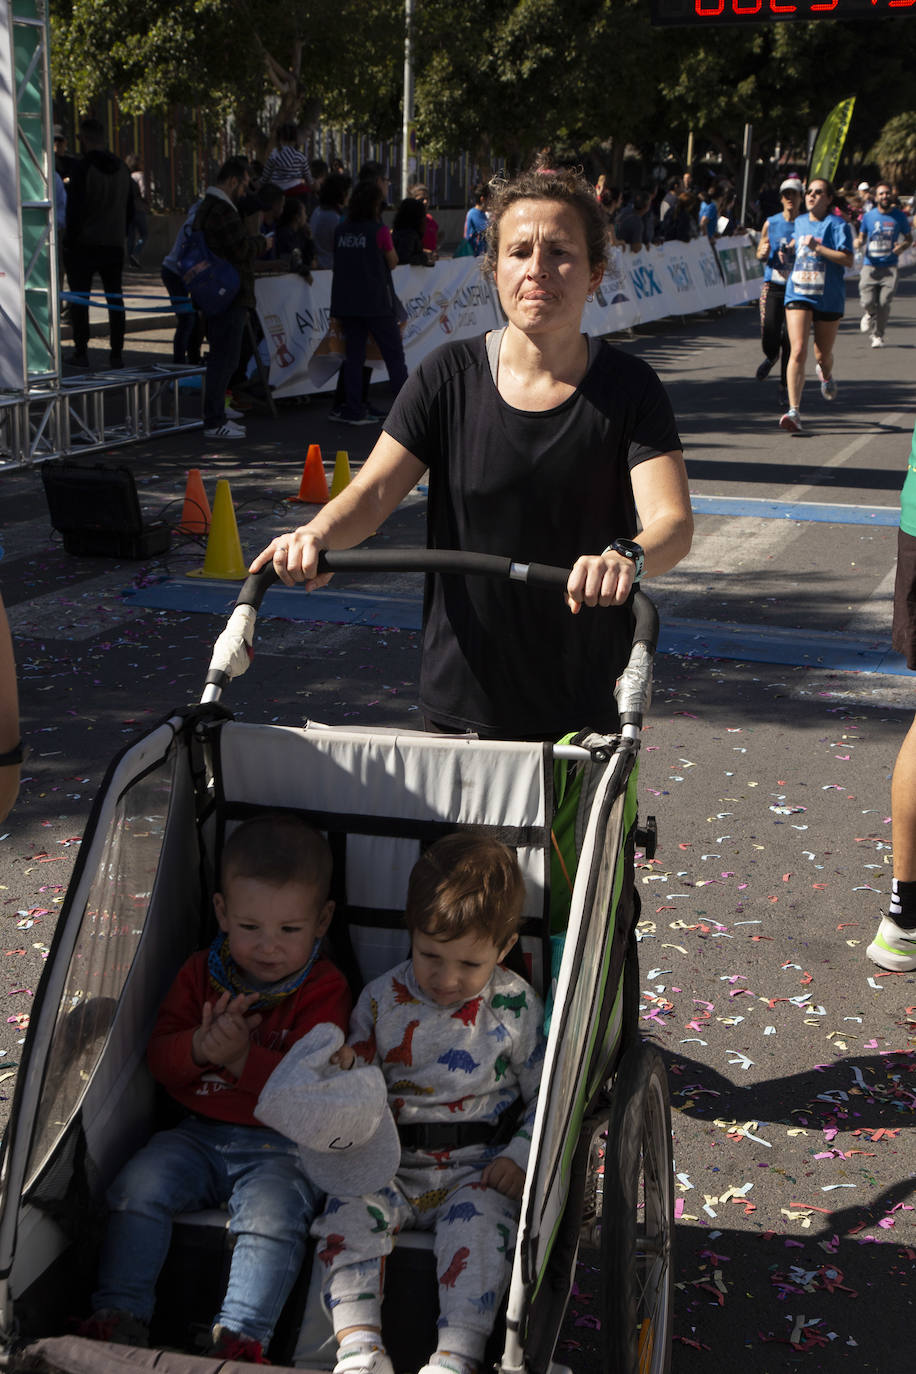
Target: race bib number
column 809, row 281
column 809, row 274
column 880, row 244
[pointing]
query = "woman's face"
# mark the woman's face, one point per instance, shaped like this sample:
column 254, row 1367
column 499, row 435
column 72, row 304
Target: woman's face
column 542, row 270
column 817, row 199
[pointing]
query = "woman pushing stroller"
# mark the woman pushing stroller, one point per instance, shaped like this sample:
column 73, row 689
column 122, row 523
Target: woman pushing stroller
column 538, row 440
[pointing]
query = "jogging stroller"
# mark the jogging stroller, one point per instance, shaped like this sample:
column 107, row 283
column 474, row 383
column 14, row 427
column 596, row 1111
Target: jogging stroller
column 600, row 1170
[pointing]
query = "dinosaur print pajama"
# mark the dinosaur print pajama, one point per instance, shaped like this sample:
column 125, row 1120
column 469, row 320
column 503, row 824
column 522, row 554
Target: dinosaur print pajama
column 443, row 1066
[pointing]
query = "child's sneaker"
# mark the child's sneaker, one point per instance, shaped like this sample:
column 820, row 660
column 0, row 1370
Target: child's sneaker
column 232, row 1345
column 893, row 948
column 362, row 1359
column 116, row 1326
column 451, row 1364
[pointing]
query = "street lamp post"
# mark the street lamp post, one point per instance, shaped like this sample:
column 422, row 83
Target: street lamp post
column 406, row 150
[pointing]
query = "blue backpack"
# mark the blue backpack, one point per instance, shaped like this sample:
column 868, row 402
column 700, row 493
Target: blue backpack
column 212, row 282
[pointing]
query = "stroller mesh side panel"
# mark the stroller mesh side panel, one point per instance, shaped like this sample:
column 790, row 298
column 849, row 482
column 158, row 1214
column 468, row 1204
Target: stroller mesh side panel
column 118, row 1103
column 110, row 925
column 390, row 795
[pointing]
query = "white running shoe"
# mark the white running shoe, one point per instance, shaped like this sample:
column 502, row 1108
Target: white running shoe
column 791, row 421
column 232, row 414
column 893, row 948
column 828, row 385
column 227, row 430
column 877, row 341
column 865, row 324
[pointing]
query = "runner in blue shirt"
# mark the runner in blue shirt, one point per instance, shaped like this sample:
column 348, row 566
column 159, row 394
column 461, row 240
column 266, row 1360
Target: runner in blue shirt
column 777, row 231
column 884, row 233
column 816, row 293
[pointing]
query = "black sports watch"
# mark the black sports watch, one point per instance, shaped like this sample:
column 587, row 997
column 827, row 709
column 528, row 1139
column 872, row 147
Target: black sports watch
column 628, row 548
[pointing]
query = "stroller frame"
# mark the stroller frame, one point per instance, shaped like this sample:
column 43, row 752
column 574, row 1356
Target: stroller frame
column 84, row 1099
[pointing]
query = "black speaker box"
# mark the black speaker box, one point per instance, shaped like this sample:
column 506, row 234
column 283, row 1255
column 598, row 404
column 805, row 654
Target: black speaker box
column 97, row 511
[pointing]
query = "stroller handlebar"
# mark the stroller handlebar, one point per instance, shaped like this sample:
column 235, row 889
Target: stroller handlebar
column 233, row 650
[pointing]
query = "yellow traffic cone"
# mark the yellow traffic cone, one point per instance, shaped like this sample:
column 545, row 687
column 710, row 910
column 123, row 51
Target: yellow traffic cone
column 341, row 476
column 223, row 558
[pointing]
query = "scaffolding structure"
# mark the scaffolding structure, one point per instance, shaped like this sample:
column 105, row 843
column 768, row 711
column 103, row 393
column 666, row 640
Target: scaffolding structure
column 43, row 415
column 80, row 414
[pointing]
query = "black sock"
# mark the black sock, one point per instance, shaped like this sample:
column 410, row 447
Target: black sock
column 902, row 909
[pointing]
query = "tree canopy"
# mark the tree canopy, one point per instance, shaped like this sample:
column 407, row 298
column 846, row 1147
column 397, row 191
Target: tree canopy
column 494, row 77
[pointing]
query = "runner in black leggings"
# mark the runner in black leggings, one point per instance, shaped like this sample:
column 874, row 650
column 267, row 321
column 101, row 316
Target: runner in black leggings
column 777, row 231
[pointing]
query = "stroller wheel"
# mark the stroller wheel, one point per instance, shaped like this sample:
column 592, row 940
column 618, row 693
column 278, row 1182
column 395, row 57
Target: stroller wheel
column 637, row 1208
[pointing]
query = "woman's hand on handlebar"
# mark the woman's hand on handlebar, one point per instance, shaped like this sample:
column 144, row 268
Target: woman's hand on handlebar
column 603, row 579
column 295, row 559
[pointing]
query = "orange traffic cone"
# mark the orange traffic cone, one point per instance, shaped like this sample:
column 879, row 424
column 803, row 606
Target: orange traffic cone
column 195, row 514
column 341, row 476
column 313, row 488
column 223, row 558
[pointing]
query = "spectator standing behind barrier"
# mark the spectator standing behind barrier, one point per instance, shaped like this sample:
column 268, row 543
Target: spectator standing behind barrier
column 631, row 227
column 363, row 298
column 227, row 236
column 287, row 167
column 430, row 226
column 407, row 234
column 815, row 293
column 778, row 230
column 189, row 330
column 475, row 222
column 885, row 233
column 293, row 236
column 139, row 225
column 324, row 220
column 99, row 214
column 10, row 742
column 681, row 224
column 894, row 945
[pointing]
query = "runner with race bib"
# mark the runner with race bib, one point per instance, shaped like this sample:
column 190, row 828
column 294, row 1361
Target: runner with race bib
column 885, row 233
column 815, row 293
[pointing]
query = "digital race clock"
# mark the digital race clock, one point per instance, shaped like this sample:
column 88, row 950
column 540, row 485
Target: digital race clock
column 713, row 13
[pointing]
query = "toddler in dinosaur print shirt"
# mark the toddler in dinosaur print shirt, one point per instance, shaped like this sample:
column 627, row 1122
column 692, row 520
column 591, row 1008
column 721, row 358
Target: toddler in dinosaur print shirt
column 461, row 1045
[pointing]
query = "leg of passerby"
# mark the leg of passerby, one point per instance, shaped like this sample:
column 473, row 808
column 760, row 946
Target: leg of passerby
column 387, row 334
column 894, row 946
column 79, row 279
column 184, row 314
column 887, row 285
column 825, row 332
column 354, row 410
column 798, row 323
column 225, row 334
column 868, row 290
column 110, row 262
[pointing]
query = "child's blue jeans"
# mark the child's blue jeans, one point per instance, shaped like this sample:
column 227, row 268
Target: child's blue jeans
column 204, row 1163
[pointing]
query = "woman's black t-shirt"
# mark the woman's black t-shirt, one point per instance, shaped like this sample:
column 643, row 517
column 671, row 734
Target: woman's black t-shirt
column 534, row 486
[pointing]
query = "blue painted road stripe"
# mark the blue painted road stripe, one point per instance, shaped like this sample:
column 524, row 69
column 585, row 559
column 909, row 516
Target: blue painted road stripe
column 690, row 638
column 795, row 510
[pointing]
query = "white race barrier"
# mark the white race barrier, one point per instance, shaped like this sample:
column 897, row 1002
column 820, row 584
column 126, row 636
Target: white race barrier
column 453, row 300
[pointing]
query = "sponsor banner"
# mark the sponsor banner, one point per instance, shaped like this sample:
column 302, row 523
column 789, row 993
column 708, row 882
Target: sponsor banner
column 741, row 272
column 451, row 300
column 667, row 279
